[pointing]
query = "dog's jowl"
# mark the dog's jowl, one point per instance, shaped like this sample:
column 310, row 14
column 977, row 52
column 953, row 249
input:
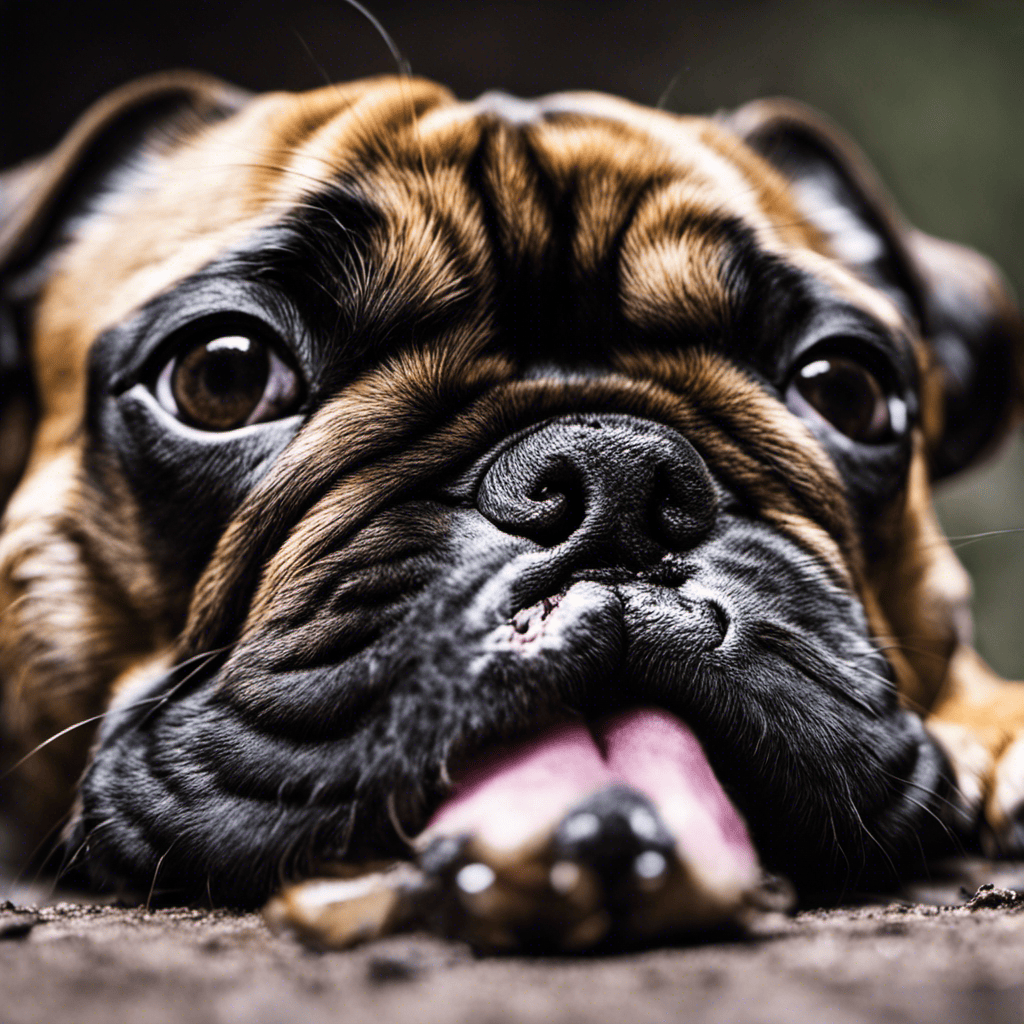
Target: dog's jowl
column 535, row 493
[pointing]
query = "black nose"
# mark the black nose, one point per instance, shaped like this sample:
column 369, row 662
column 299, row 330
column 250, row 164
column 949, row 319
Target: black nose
column 609, row 481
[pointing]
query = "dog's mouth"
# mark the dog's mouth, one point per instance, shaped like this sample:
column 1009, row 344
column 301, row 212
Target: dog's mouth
column 577, row 836
column 513, row 795
column 529, row 624
column 609, row 824
column 557, row 619
column 632, row 800
column 616, row 826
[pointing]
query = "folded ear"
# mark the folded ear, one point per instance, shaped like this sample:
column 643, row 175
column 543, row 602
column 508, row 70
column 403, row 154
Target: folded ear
column 41, row 199
column 956, row 297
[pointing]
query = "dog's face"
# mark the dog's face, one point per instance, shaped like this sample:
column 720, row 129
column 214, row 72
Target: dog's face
column 372, row 429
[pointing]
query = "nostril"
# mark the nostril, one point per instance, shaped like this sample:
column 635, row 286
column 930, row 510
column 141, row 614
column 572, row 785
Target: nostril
column 543, row 499
column 561, row 506
column 682, row 508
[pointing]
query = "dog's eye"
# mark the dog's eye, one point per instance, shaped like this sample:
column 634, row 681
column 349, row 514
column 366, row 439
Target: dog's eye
column 849, row 396
column 227, row 382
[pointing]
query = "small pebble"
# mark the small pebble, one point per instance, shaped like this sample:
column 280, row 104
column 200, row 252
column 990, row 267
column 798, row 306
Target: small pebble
column 380, row 970
column 988, row 897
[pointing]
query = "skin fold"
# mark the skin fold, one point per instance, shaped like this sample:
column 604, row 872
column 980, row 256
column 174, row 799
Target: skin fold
column 364, row 430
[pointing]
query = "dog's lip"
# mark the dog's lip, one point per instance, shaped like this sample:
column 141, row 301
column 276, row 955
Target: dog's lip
column 532, row 624
column 543, row 623
column 525, row 593
column 542, row 618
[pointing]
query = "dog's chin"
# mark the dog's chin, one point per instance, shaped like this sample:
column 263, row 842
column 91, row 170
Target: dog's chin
column 229, row 776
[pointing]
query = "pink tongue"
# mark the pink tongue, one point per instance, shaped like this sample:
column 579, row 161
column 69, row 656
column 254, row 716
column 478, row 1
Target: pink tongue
column 514, row 794
column 657, row 754
column 517, row 794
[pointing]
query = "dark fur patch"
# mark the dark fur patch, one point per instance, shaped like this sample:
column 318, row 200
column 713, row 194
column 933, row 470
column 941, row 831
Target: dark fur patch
column 294, row 622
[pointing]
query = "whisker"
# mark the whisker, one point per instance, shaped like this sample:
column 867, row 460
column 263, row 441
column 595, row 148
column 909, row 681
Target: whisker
column 949, row 833
column 395, row 823
column 966, row 540
column 851, row 805
column 55, row 848
column 806, row 657
column 204, row 660
column 312, row 59
column 404, row 68
column 71, row 728
column 160, row 699
column 668, row 90
column 156, row 871
column 68, row 863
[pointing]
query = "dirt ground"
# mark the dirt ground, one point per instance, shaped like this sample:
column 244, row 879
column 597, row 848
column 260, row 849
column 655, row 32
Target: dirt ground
column 931, row 957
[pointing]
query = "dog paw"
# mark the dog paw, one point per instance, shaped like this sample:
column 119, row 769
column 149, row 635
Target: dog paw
column 972, row 764
column 360, row 903
column 989, row 796
column 611, row 869
column 1003, row 833
column 610, row 872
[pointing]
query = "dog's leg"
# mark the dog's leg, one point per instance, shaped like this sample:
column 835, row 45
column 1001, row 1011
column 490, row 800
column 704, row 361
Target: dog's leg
column 978, row 719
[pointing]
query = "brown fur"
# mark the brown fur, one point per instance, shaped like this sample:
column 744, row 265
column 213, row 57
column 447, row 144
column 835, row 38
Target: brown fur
column 83, row 612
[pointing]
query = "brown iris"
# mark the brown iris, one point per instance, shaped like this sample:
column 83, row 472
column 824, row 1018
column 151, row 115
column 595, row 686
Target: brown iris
column 848, row 395
column 218, row 385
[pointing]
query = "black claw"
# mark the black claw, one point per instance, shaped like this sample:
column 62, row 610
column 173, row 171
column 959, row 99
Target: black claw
column 619, row 835
column 443, row 856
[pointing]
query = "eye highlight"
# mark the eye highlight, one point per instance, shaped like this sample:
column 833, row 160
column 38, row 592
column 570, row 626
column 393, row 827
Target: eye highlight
column 227, row 382
column 850, row 396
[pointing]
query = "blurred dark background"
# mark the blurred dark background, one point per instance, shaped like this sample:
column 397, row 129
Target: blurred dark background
column 933, row 91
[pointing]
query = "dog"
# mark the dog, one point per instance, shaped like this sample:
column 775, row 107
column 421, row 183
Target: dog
column 365, row 449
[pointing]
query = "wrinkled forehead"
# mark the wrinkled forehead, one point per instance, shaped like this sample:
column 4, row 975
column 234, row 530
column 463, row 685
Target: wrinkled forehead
column 443, row 201
column 600, row 186
column 585, row 170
